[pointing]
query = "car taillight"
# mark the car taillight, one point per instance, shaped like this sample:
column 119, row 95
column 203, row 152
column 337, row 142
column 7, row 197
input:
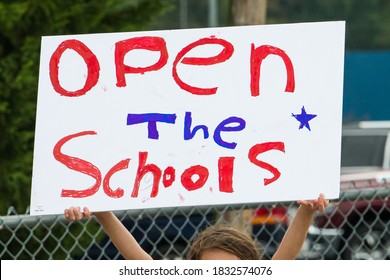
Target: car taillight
column 273, row 215
column 334, row 215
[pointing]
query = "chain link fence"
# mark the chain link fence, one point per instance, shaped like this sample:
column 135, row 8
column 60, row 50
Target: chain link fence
column 356, row 226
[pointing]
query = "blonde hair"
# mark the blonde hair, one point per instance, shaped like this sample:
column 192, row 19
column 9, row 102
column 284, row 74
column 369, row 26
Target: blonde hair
column 225, row 238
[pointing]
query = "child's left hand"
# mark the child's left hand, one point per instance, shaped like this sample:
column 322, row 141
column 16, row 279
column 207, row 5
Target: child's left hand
column 319, row 204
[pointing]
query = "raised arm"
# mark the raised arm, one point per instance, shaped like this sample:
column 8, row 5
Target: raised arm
column 296, row 233
column 118, row 233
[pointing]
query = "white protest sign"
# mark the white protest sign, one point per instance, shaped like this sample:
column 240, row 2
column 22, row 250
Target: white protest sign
column 189, row 117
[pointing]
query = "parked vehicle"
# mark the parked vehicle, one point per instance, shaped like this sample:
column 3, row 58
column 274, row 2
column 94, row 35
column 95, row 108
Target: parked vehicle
column 269, row 224
column 357, row 226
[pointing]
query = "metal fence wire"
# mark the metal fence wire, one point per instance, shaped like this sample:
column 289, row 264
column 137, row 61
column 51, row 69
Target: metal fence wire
column 356, row 226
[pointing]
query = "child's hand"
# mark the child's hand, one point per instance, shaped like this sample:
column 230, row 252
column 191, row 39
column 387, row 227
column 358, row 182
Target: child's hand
column 75, row 214
column 319, row 204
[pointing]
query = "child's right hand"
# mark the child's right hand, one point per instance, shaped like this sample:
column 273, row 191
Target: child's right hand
column 75, row 214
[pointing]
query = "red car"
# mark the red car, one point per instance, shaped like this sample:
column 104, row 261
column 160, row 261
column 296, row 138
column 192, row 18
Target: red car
column 357, row 226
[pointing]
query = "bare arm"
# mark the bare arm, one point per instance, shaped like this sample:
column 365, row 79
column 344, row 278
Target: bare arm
column 296, row 233
column 118, row 233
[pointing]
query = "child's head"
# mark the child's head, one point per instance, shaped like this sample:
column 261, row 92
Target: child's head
column 223, row 242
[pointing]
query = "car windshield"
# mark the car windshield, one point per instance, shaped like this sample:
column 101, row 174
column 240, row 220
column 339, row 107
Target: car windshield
column 359, row 150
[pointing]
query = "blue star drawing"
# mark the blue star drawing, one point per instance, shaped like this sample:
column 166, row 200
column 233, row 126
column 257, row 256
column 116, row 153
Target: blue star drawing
column 304, row 118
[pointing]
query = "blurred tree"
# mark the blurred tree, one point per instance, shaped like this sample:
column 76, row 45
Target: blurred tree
column 246, row 12
column 22, row 23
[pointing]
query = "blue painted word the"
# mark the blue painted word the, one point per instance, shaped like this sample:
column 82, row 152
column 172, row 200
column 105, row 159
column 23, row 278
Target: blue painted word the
column 230, row 124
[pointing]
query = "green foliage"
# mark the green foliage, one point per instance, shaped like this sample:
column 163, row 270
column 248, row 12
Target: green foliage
column 22, row 23
column 53, row 239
